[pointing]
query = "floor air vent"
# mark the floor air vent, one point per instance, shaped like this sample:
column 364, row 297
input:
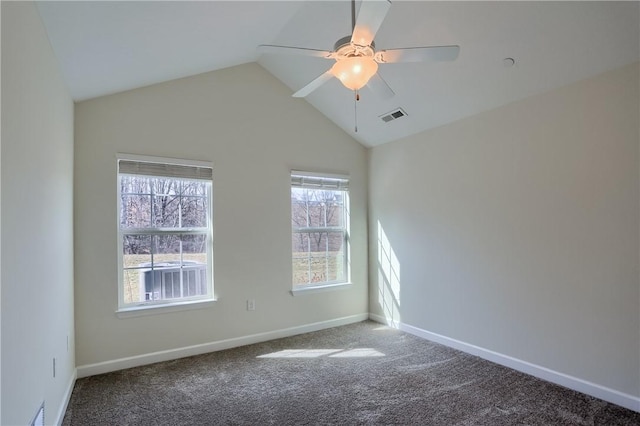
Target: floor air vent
column 393, row 115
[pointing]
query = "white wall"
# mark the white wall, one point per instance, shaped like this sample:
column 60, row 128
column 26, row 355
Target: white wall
column 517, row 230
column 245, row 122
column 37, row 215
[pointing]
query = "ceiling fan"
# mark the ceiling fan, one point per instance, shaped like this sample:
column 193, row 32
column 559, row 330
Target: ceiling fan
column 356, row 56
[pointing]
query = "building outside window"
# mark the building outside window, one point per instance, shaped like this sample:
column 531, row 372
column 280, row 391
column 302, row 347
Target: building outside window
column 320, row 229
column 165, row 231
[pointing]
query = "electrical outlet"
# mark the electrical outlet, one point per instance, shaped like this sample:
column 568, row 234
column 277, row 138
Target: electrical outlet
column 251, row 305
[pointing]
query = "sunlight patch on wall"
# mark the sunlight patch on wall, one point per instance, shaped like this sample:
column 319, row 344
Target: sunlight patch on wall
column 388, row 278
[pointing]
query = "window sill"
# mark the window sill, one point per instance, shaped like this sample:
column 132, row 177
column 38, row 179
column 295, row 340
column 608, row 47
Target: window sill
column 320, row 288
column 144, row 310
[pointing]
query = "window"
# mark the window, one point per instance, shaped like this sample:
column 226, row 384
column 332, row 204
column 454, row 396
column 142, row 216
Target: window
column 320, row 229
column 165, row 231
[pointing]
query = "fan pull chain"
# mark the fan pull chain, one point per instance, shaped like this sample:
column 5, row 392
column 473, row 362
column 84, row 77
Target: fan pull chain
column 355, row 109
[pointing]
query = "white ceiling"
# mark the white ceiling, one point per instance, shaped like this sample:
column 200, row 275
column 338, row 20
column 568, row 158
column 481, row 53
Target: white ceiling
column 108, row 47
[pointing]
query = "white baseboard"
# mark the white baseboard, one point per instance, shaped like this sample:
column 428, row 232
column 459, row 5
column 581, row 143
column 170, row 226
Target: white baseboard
column 607, row 394
column 168, row 355
column 66, row 398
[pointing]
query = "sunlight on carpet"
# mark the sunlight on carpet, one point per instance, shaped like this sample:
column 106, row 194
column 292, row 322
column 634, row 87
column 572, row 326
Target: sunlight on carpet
column 331, row 353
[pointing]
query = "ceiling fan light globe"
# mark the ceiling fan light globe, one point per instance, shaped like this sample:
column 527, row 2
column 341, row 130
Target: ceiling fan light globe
column 355, row 72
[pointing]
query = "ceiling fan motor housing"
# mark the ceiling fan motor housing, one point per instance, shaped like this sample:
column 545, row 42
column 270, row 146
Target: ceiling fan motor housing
column 344, row 48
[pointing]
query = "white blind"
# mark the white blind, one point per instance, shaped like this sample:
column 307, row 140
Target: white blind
column 179, row 171
column 313, row 181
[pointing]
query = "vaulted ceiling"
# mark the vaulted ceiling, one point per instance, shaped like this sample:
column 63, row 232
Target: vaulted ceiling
column 108, row 47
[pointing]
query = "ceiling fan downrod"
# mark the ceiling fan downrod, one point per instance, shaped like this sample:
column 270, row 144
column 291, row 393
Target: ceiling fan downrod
column 353, row 15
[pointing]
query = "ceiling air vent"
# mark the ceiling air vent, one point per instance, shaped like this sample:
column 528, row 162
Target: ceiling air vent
column 393, row 115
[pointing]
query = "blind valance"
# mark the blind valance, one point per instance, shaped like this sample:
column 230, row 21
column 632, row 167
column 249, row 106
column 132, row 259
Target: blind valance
column 178, row 171
column 313, row 181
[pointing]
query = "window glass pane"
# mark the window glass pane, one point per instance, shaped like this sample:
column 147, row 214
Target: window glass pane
column 194, row 253
column 203, row 281
column 335, row 241
column 316, row 207
column 311, row 206
column 131, row 287
column 194, row 247
column 175, row 277
column 335, row 209
column 300, row 258
column 165, row 186
column 166, row 249
column 194, row 211
column 299, row 209
column 135, row 211
column 190, row 282
column 317, row 212
column 171, row 284
column 319, row 266
column 318, row 257
column 166, row 203
column 150, row 284
column 300, row 270
column 135, row 202
column 194, row 188
column 335, row 257
column 317, row 241
column 136, row 251
column 135, row 185
column 300, row 243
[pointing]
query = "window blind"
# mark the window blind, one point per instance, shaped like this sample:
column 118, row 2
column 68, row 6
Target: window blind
column 178, row 171
column 312, row 181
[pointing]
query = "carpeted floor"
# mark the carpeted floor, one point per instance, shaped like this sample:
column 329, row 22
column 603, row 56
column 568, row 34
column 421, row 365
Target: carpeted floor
column 362, row 373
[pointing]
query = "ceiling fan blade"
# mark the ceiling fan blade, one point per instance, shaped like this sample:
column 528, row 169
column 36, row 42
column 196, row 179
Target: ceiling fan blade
column 289, row 50
column 319, row 81
column 370, row 17
column 418, row 54
column 380, row 87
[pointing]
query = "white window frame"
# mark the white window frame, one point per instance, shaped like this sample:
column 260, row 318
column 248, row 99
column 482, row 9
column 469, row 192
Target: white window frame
column 325, row 181
column 153, row 306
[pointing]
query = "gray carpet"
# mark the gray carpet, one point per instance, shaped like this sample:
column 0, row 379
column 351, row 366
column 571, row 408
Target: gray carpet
column 362, row 373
